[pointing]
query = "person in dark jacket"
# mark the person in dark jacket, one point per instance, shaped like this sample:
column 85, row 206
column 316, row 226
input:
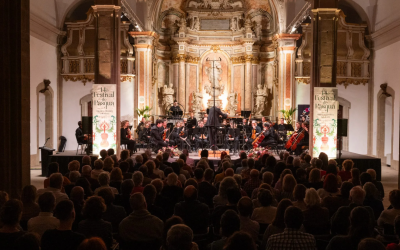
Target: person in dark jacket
column 213, row 122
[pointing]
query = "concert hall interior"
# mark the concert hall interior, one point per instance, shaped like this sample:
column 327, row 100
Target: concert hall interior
column 300, row 77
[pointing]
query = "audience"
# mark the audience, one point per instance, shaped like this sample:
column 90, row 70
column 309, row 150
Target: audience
column 230, row 223
column 55, row 186
column 253, row 183
column 92, row 243
column 245, row 209
column 239, row 241
column 266, row 213
column 221, row 199
column 104, row 181
column 113, row 213
column 45, row 220
column 10, row 216
column 30, row 208
column 299, row 194
column 316, row 217
column 98, row 168
column 180, row 237
column 389, row 215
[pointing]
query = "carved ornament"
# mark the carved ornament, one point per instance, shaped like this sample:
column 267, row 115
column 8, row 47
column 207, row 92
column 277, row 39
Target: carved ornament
column 192, row 59
column 347, row 81
column 249, row 58
column 304, row 80
column 82, row 78
column 238, row 60
column 179, row 58
column 215, row 48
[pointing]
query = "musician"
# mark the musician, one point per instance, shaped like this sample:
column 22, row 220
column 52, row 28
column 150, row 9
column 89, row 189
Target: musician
column 232, row 139
column 156, row 133
column 181, row 139
column 261, row 124
column 140, row 126
column 269, row 135
column 175, row 108
column 80, row 137
column 305, row 140
column 213, row 122
column 127, row 138
column 255, row 131
column 298, row 127
column 205, row 120
column 144, row 134
column 224, row 122
column 202, row 137
column 281, row 128
column 192, row 121
column 245, row 123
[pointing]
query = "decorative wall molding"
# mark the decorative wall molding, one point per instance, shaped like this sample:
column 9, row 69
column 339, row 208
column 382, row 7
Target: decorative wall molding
column 303, row 80
column 386, row 36
column 44, row 31
column 347, row 81
column 130, row 14
column 299, row 19
column 90, row 78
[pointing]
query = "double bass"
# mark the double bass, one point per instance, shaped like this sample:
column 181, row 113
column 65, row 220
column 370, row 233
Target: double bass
column 294, row 140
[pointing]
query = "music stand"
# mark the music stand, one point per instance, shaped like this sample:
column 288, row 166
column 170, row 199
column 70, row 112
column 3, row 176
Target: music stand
column 289, row 127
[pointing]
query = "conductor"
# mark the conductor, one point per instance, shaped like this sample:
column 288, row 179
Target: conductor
column 213, row 122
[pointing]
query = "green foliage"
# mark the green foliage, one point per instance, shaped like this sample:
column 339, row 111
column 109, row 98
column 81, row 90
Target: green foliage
column 334, row 124
column 332, row 132
column 316, row 124
column 144, row 112
column 288, row 114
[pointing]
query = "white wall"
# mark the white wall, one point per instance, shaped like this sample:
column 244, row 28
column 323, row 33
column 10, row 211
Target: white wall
column 388, row 125
column 43, row 65
column 387, row 71
column 357, row 95
column 302, row 94
column 126, row 102
column 71, row 109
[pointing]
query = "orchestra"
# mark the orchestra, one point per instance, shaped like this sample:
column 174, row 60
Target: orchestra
column 230, row 132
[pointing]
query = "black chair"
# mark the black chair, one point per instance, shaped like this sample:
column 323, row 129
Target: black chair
column 83, row 146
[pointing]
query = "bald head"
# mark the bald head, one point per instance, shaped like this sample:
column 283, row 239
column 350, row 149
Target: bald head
column 229, row 172
column 190, row 193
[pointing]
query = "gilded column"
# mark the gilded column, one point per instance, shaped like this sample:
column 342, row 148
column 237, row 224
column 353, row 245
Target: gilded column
column 182, row 80
column 247, row 84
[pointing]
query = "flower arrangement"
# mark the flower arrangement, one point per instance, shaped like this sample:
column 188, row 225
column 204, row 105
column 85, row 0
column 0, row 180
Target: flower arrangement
column 173, row 151
column 257, row 153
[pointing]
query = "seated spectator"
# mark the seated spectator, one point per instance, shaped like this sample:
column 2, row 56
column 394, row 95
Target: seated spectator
column 364, row 178
column 239, row 241
column 62, row 238
column 359, row 229
column 103, row 154
column 171, row 190
column 30, row 208
column 230, row 223
column 233, row 196
column 137, row 178
column 104, row 180
column 194, row 213
column 278, row 223
column 124, row 166
column 330, row 187
column 206, row 190
column 292, row 238
column 186, row 167
column 124, row 155
column 113, row 214
column 28, row 241
column 72, row 166
column 246, row 172
column 173, row 220
column 388, row 216
column 87, row 174
column 98, row 169
column 157, row 171
column 371, row 244
column 316, row 218
column 289, row 183
column 10, row 215
column 333, row 169
column 267, row 178
column 219, row 177
column 355, row 177
column 176, row 168
column 55, row 186
column 45, row 220
column 279, row 183
column 340, row 222
column 115, row 159
column 123, row 198
column 78, row 198
column 94, row 225
column 140, row 225
column 86, row 160
column 266, row 213
column 269, row 164
column 73, row 177
column 301, row 176
column 371, row 200
column 92, row 243
column 245, row 208
column 108, row 164
column 84, row 183
column 180, row 237
column 145, row 171
column 243, row 166
column 116, row 178
column 307, row 162
column 253, row 183
column 51, row 169
column 138, row 163
column 377, row 184
column 299, row 194
column 150, row 194
column 110, row 152
column 333, row 203
column 221, row 198
column 345, row 174
column 395, row 245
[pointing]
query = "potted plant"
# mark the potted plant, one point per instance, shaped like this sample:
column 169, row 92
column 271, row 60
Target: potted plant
column 144, row 112
column 288, row 114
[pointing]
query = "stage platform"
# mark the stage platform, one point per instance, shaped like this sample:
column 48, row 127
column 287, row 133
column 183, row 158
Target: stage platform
column 363, row 162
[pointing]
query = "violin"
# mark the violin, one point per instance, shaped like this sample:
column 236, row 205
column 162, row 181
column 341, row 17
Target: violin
column 253, row 134
column 182, row 133
column 128, row 133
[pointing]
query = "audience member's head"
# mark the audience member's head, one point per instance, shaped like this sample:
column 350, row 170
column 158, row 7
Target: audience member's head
column 127, row 186
column 330, row 183
column 345, row 189
column 10, row 213
column 307, row 158
column 28, row 241
column 230, row 223
column 268, row 177
column 254, row 174
column 85, row 184
column 64, row 211
column 271, row 161
column 180, row 237
column 107, row 195
column 86, row 170
column 293, row 217
column 299, row 192
column 357, row 195
column 372, row 173
column 289, row 160
column 364, row 178
column 86, row 160
column 355, row 176
column 371, row 192
column 28, row 195
column 239, row 241
column 56, row 180
column 370, row 244
column 158, row 184
column 279, row 220
column 394, row 198
column 108, row 164
column 245, row 207
column 124, row 154
column 150, row 194
column 296, row 162
column 98, row 164
column 77, row 194
column 315, row 176
column 172, row 179
column 265, row 197
column 190, row 193
column 226, row 183
column 104, row 179
column 138, row 202
column 347, row 165
column 110, row 152
column 137, row 178
column 319, row 163
column 312, row 198
column 289, row 182
column 47, row 202
column 74, row 165
column 244, row 163
column 208, row 174
column 103, row 153
column 139, row 159
column 359, row 224
column 198, row 174
column 92, row 243
column 74, row 176
column 116, row 175
column 204, row 153
column 324, row 158
column 94, row 208
column 52, row 168
column 233, row 196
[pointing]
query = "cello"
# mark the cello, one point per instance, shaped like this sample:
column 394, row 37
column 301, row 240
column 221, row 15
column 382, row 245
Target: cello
column 298, row 138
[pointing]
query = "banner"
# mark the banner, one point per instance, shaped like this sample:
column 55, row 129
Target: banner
column 325, row 121
column 104, row 102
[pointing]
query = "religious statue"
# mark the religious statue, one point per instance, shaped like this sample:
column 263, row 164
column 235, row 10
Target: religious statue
column 182, row 24
column 168, row 95
column 232, row 103
column 261, row 95
column 234, row 24
column 214, row 78
column 197, row 102
column 196, row 24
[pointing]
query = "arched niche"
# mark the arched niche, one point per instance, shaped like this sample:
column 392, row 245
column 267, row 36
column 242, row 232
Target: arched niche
column 85, row 103
column 44, row 117
column 346, row 105
column 385, row 124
